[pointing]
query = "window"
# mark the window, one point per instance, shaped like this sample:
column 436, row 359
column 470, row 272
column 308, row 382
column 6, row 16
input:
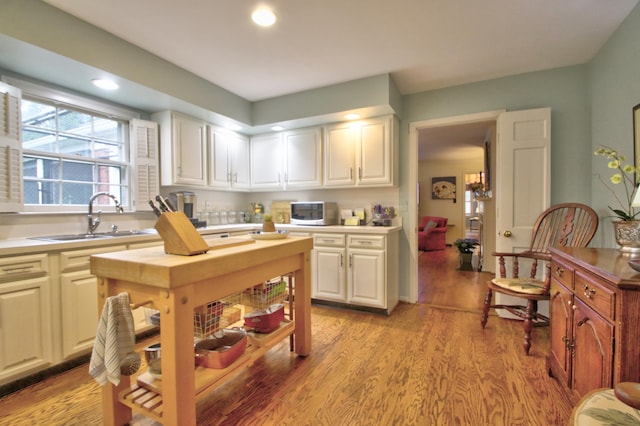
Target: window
column 72, row 150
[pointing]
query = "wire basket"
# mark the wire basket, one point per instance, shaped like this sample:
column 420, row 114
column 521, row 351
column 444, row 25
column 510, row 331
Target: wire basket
column 232, row 310
column 206, row 319
column 266, row 294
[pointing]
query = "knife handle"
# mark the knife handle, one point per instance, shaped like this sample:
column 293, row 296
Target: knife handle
column 155, row 209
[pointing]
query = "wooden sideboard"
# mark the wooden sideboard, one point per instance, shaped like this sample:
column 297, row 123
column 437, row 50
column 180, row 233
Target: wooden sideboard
column 175, row 285
column 595, row 319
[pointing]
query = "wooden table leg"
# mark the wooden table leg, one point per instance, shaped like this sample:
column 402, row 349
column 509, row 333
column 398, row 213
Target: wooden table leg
column 302, row 304
column 115, row 413
column 178, row 362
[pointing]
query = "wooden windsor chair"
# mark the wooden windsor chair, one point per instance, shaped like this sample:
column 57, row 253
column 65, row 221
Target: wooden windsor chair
column 565, row 225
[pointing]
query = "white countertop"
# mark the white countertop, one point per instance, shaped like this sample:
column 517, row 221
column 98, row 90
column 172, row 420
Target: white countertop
column 16, row 246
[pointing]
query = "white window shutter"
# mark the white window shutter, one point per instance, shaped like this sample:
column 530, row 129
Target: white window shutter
column 11, row 195
column 145, row 163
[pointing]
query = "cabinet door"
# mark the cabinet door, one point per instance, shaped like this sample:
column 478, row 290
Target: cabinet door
column 561, row 310
column 366, row 277
column 593, row 347
column 303, row 168
column 339, row 155
column 24, row 337
column 239, row 154
column 219, row 164
column 266, row 162
column 375, row 152
column 189, row 138
column 328, row 274
column 79, row 312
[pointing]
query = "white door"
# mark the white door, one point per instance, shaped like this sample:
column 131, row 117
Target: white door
column 523, row 181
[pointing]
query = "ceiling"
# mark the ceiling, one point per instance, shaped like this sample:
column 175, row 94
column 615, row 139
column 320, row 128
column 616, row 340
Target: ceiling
column 423, row 44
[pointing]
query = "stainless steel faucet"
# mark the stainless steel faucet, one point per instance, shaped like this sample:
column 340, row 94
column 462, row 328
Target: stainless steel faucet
column 95, row 221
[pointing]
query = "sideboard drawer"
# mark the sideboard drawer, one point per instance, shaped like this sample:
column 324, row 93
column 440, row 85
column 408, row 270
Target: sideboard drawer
column 563, row 273
column 596, row 294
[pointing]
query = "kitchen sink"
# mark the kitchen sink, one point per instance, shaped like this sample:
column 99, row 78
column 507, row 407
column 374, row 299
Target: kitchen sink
column 95, row 236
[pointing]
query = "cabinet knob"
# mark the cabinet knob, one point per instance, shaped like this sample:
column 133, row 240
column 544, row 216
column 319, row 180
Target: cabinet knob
column 589, row 292
column 559, row 271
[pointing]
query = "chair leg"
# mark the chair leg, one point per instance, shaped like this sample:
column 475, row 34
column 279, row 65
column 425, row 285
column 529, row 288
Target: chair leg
column 485, row 308
column 528, row 324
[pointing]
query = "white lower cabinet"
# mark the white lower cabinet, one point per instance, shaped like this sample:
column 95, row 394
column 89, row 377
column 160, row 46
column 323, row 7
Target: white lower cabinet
column 328, row 267
column 25, row 316
column 356, row 269
column 79, row 300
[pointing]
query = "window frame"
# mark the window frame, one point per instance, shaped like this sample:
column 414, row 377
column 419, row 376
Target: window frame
column 61, row 98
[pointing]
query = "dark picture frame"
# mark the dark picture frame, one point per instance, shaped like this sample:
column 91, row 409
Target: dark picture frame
column 443, row 188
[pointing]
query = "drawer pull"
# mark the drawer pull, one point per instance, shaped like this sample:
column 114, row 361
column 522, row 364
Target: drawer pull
column 18, row 269
column 559, row 271
column 589, row 292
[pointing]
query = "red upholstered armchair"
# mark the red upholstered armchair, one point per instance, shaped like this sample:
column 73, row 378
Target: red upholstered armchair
column 432, row 233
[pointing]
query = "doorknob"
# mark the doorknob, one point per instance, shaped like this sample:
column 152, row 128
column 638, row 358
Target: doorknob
column 507, row 234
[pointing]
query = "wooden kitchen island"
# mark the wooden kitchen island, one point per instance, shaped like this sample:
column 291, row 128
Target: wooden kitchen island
column 175, row 285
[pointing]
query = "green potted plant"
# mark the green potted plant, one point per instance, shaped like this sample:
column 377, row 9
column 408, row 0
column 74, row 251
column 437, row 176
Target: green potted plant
column 627, row 227
column 466, row 247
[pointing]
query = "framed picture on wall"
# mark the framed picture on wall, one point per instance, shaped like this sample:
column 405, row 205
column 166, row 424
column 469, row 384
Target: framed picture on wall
column 443, row 188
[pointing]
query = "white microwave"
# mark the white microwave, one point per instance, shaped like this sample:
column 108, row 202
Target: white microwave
column 314, row 213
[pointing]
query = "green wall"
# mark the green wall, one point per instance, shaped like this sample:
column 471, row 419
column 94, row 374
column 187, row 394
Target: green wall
column 614, row 89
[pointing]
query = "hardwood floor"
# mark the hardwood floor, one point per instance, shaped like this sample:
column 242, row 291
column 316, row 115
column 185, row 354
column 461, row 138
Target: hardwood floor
column 427, row 364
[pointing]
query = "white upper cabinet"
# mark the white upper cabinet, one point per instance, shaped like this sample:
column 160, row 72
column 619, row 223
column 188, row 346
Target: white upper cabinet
column 266, row 161
column 183, row 149
column 10, row 149
column 288, row 160
column 145, row 162
column 340, row 155
column 361, row 153
column 303, row 158
column 228, row 160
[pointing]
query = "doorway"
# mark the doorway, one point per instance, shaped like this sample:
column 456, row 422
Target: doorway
column 439, row 125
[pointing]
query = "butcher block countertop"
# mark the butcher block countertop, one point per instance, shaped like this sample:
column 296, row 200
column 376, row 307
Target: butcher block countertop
column 153, row 267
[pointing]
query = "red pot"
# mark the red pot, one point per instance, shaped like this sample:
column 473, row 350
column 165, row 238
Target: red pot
column 267, row 320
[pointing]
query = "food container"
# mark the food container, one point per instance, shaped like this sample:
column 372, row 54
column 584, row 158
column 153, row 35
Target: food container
column 267, row 320
column 220, row 352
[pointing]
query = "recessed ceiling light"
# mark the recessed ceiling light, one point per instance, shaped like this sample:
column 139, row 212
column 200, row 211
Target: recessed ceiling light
column 263, row 17
column 352, row 116
column 277, row 128
column 105, row 84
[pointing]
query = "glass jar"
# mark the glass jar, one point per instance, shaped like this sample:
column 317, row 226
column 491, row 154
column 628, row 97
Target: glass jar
column 232, row 217
column 223, row 217
column 214, row 217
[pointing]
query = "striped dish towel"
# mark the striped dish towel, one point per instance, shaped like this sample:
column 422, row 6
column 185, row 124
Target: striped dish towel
column 115, row 338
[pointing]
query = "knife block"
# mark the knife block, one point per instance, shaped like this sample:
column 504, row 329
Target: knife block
column 179, row 235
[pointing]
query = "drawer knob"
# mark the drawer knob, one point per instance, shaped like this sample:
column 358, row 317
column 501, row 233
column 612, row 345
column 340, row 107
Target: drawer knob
column 559, row 271
column 589, row 292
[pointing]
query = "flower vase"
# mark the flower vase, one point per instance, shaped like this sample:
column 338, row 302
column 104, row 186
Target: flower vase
column 464, row 261
column 627, row 234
